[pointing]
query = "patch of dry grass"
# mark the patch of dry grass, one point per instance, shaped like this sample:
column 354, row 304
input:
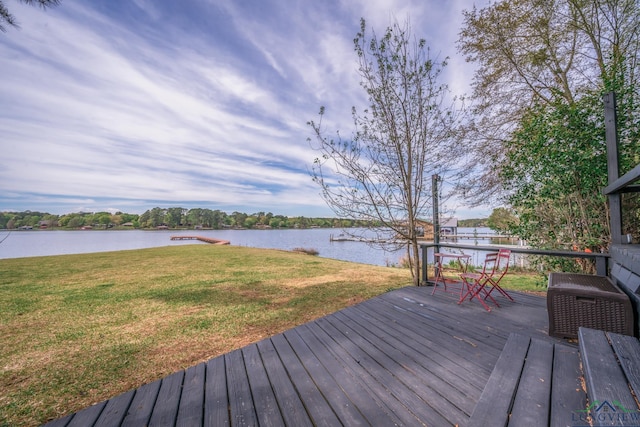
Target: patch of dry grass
column 78, row 329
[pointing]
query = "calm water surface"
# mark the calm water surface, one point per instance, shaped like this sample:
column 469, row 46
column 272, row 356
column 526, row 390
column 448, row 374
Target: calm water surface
column 18, row 244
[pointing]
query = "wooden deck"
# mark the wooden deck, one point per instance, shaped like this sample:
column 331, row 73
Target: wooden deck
column 403, row 358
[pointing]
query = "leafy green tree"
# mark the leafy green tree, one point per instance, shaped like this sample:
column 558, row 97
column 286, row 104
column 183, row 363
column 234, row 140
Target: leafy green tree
column 101, row 219
column 264, row 220
column 250, row 222
column 4, row 219
column 238, row 219
column 473, row 222
column 152, row 218
column 50, row 220
column 383, row 172
column 194, row 217
column 32, row 219
column 538, row 133
column 555, row 172
column 541, row 53
column 76, row 221
column 299, row 222
column 126, row 217
column 279, row 221
column 116, row 219
column 217, row 219
column 501, row 220
column 274, row 223
column 144, row 218
column 7, row 18
column 174, row 217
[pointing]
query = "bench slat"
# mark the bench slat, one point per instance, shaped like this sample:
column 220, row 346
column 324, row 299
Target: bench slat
column 605, row 379
column 495, row 401
column 567, row 392
column 628, row 351
column 531, row 404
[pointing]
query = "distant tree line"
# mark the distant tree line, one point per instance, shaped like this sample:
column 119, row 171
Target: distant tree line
column 473, row 222
column 169, row 218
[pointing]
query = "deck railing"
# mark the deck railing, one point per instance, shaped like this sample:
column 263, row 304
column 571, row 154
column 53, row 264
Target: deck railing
column 601, row 259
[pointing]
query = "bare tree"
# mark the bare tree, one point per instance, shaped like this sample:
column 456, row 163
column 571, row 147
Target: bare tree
column 7, row 18
column 383, row 172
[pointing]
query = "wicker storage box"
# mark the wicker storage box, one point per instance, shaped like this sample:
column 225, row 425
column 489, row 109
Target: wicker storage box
column 575, row 300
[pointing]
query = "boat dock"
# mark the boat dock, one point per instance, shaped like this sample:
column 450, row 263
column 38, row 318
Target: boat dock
column 476, row 236
column 202, row 239
column 343, row 238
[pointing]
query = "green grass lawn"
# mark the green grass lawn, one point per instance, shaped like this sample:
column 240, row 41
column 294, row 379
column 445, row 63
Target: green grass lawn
column 79, row 329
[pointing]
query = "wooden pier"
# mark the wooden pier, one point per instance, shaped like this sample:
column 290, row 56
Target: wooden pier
column 202, row 239
column 477, row 236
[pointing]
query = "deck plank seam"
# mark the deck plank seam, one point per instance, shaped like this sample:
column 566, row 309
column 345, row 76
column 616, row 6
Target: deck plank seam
column 413, row 342
column 473, row 333
column 352, row 350
column 397, row 350
column 409, row 386
column 365, row 381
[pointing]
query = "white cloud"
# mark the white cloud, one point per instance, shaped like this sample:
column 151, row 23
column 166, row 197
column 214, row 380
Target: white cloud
column 93, row 107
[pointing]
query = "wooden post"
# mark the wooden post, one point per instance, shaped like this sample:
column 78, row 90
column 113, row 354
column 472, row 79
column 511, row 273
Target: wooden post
column 436, row 218
column 436, row 212
column 613, row 171
column 425, row 274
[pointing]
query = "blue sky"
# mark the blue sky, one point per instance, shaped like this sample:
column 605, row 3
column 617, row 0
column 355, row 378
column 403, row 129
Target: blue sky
column 131, row 104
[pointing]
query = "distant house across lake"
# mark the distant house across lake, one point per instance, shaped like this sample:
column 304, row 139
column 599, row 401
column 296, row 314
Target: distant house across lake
column 447, row 227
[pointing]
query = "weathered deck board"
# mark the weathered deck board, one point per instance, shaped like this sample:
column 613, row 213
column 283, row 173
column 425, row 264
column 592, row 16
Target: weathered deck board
column 603, row 374
column 567, row 392
column 166, row 408
column 289, row 401
column 531, row 405
column 190, row 410
column 265, row 401
column 142, row 405
column 216, row 401
column 497, row 397
column 403, row 358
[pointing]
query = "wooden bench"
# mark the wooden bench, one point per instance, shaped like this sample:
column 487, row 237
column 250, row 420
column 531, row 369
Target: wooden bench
column 534, row 383
column 611, row 365
column 541, row 383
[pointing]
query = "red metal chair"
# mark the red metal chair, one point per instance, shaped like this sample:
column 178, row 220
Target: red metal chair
column 473, row 284
column 502, row 267
column 481, row 285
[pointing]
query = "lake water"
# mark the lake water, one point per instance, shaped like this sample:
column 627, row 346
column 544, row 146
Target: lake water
column 18, row 244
